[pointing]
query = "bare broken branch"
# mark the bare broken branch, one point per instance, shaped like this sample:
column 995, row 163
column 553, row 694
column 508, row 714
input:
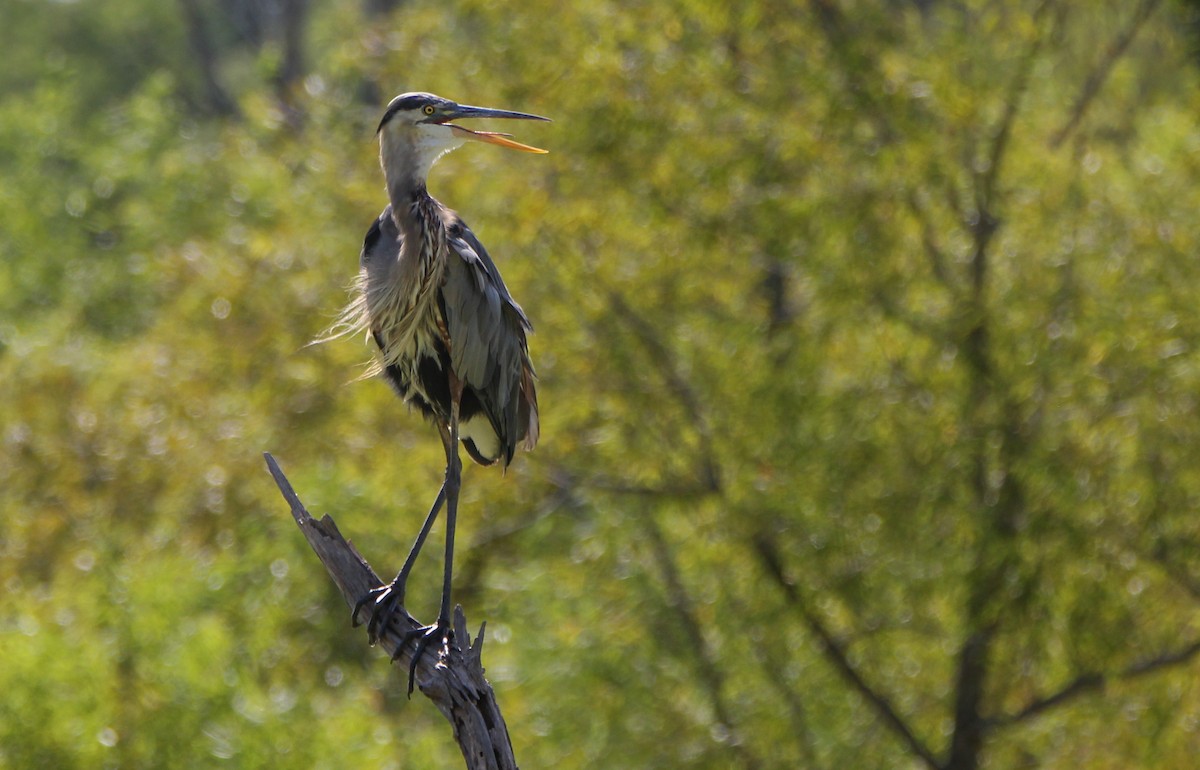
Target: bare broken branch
column 453, row 679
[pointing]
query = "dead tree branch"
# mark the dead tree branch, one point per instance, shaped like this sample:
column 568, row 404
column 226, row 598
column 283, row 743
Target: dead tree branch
column 453, row 679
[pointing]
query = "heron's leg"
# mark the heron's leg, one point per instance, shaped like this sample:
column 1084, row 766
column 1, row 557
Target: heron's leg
column 453, row 484
column 389, row 598
column 441, row 629
column 402, row 576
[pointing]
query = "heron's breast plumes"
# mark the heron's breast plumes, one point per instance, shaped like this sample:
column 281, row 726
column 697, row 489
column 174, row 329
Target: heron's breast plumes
column 402, row 311
column 394, row 299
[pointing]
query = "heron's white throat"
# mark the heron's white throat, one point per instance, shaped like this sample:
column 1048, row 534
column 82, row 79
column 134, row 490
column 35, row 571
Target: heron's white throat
column 408, row 152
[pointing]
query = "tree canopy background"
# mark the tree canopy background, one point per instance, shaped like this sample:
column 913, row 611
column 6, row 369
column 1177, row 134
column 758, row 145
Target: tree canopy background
column 869, row 354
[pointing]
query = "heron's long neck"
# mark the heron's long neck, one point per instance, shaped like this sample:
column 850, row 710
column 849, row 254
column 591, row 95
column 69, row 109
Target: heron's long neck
column 401, row 293
column 406, row 159
column 418, row 216
column 413, row 208
column 403, row 191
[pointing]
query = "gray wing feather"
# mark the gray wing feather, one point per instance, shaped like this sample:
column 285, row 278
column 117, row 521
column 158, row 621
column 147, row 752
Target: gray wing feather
column 488, row 329
column 382, row 239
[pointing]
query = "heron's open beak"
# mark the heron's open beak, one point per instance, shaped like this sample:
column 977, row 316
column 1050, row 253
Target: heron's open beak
column 491, row 137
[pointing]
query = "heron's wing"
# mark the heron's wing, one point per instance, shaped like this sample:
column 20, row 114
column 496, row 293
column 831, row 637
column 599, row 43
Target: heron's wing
column 383, row 236
column 488, row 338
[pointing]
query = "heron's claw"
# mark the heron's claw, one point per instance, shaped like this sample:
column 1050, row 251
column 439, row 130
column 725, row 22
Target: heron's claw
column 387, row 600
column 424, row 635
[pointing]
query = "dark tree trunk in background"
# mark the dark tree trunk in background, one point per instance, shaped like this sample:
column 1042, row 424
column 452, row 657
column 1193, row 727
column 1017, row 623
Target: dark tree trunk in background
column 215, row 98
column 294, row 14
column 376, row 8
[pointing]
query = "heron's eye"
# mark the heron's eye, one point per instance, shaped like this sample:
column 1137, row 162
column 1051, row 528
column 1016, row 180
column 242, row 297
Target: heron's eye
column 428, row 109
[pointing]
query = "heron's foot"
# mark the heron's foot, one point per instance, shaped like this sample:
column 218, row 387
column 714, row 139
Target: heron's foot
column 425, row 635
column 386, row 601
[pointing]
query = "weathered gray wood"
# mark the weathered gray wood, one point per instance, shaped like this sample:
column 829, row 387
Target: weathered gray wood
column 453, row 681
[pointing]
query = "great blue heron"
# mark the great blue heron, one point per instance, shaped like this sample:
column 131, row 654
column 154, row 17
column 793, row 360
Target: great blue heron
column 451, row 338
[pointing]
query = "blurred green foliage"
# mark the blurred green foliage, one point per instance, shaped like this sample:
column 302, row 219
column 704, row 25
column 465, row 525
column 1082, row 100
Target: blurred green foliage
column 868, row 379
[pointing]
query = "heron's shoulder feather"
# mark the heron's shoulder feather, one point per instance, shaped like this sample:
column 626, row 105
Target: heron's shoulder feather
column 462, row 241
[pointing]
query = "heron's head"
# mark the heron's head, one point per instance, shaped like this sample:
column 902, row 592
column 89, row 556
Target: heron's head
column 416, row 130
